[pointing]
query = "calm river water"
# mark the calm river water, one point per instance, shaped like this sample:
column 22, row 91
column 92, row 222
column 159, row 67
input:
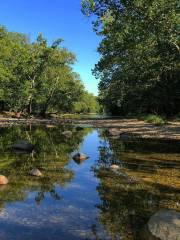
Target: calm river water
column 75, row 201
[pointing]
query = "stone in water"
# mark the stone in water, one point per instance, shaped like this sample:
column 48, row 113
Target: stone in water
column 165, row 225
column 3, row 180
column 114, row 167
column 35, row 172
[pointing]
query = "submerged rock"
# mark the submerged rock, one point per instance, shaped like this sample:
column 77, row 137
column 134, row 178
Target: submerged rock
column 114, row 167
column 79, row 157
column 165, row 225
column 3, row 180
column 79, row 128
column 23, row 145
column 67, row 134
column 125, row 136
column 35, row 172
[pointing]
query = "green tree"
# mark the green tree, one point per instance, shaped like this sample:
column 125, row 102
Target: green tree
column 139, row 63
column 13, row 55
column 37, row 77
column 87, row 104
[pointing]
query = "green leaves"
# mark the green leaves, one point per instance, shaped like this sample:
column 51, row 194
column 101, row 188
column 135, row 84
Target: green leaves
column 37, row 77
column 139, row 55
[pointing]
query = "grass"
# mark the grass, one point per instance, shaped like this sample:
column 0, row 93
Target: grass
column 154, row 119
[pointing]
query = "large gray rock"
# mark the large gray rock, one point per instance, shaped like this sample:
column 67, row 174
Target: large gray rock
column 165, row 225
column 23, row 145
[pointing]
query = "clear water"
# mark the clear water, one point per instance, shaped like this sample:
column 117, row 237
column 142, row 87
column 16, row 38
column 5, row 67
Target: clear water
column 88, row 200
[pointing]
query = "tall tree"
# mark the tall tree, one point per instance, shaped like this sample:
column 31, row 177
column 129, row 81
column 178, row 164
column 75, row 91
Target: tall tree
column 36, row 77
column 139, row 63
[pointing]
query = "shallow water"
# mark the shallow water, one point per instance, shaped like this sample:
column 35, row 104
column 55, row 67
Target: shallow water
column 88, row 200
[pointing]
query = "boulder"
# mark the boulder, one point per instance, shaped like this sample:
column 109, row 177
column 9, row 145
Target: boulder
column 79, row 157
column 23, row 145
column 35, row 172
column 3, row 180
column 165, row 225
column 67, row 134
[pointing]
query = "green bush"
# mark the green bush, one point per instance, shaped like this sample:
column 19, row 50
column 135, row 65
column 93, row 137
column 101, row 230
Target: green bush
column 154, row 119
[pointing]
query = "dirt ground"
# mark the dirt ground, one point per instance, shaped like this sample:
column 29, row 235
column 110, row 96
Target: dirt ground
column 169, row 131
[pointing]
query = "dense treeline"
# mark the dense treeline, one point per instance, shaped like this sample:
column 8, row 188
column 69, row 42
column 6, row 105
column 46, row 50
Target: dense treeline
column 139, row 65
column 36, row 78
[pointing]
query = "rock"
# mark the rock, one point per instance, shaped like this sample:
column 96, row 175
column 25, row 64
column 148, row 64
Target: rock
column 79, row 128
column 165, row 225
column 35, row 172
column 79, row 157
column 113, row 132
column 114, row 167
column 50, row 126
column 17, row 115
column 67, row 134
column 126, row 136
column 23, row 145
column 3, row 180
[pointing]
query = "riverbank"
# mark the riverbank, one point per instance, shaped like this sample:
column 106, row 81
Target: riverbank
column 123, row 127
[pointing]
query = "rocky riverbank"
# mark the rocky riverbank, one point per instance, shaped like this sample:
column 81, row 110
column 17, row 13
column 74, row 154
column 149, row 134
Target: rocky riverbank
column 124, row 128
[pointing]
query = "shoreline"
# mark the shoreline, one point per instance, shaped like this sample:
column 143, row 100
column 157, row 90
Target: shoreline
column 131, row 127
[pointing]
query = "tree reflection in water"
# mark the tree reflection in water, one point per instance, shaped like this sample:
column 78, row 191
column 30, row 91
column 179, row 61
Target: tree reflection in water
column 52, row 154
column 131, row 196
column 75, row 203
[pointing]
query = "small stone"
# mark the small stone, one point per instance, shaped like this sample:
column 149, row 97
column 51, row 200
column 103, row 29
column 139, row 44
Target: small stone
column 3, row 180
column 35, row 172
column 67, row 134
column 114, row 167
column 50, row 126
column 79, row 157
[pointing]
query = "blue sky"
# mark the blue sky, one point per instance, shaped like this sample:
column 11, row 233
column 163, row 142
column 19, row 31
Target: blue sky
column 56, row 18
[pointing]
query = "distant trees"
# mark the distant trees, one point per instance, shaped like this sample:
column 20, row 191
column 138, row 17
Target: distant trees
column 87, row 104
column 36, row 78
column 139, row 66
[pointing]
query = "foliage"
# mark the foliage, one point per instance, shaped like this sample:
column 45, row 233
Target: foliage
column 139, row 65
column 52, row 154
column 87, row 104
column 36, row 77
column 157, row 120
column 130, row 196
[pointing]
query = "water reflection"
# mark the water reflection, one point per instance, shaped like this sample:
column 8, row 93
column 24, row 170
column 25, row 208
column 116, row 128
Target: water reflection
column 148, row 180
column 51, row 155
column 87, row 200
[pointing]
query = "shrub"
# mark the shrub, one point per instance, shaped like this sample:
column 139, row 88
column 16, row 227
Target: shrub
column 154, row 119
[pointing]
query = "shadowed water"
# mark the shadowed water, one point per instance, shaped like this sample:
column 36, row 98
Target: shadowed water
column 88, row 200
